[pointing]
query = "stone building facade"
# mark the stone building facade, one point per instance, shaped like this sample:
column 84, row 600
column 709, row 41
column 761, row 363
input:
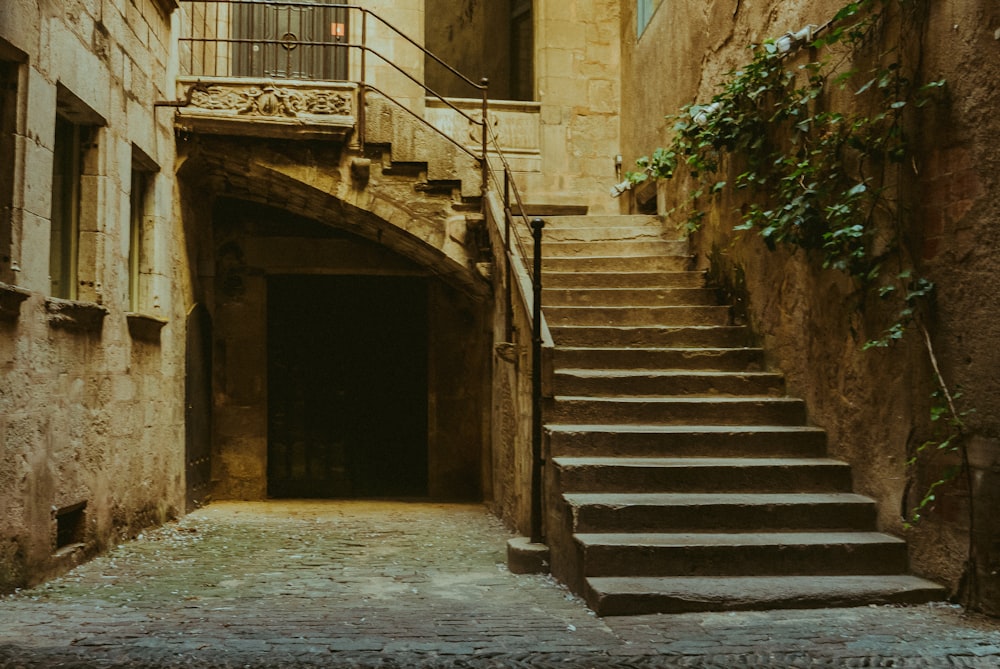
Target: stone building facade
column 93, row 295
column 225, row 281
column 183, row 240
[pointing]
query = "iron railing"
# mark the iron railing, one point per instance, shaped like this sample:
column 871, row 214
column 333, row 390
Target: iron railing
column 516, row 256
column 290, row 40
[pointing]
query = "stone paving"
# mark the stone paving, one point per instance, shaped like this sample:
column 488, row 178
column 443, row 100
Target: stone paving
column 384, row 584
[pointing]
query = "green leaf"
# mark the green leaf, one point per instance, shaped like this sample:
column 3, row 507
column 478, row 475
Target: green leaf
column 866, row 86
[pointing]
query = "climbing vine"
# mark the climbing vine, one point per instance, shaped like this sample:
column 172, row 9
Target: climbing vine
column 809, row 150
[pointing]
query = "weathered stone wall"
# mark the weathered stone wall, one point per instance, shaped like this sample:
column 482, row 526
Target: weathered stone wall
column 577, row 70
column 91, row 399
column 511, row 393
column 577, row 84
column 874, row 404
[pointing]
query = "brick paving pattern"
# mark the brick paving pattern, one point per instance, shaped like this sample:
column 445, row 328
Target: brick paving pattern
column 382, row 584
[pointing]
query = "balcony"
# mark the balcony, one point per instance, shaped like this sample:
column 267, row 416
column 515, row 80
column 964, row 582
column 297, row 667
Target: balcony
column 316, row 70
column 266, row 69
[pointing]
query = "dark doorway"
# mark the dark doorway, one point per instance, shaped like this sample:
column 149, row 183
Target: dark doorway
column 347, row 386
column 198, row 406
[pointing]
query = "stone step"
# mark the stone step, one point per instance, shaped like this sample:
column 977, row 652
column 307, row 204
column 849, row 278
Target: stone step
column 610, row 596
column 692, row 279
column 638, row 263
column 645, row 231
column 624, row 382
column 652, row 336
column 703, row 359
column 678, row 410
column 695, row 475
column 630, row 316
column 742, row 554
column 686, row 440
column 613, row 248
column 627, row 297
column 602, row 221
column 718, row 512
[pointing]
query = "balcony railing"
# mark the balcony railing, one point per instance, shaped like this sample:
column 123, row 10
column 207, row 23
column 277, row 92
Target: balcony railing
column 320, row 42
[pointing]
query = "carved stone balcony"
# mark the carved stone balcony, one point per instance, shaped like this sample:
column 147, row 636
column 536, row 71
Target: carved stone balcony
column 283, row 109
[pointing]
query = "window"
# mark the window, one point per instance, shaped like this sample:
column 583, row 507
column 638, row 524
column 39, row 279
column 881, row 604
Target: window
column 140, row 218
column 76, row 174
column 290, row 41
column 65, row 231
column 644, row 12
column 9, row 71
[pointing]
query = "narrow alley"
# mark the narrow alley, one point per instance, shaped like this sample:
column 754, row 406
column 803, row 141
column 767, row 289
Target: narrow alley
column 392, row 584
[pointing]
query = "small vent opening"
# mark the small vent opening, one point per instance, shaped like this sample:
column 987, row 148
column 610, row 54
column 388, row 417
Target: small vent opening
column 70, row 525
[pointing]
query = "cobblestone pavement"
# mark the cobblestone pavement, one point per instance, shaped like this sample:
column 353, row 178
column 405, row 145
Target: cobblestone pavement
column 381, row 584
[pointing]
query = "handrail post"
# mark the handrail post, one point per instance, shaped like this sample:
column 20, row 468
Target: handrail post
column 485, row 167
column 509, row 296
column 537, row 536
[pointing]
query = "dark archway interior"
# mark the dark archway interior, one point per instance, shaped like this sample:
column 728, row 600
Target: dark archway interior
column 347, row 386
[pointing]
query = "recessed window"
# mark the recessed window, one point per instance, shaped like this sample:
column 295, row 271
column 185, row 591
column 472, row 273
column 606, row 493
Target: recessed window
column 140, row 230
column 76, row 173
column 9, row 72
column 65, row 231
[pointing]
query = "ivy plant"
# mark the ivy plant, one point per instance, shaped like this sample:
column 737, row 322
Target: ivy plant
column 807, row 148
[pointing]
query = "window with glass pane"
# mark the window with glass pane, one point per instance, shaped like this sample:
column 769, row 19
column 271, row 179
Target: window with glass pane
column 65, row 229
column 644, row 12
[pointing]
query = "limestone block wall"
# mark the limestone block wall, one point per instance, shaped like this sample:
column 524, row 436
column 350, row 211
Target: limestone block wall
column 408, row 17
column 874, row 404
column 576, row 58
column 577, row 61
column 91, row 388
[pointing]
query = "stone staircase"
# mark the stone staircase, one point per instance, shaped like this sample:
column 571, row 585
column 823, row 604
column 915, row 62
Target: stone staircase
column 680, row 476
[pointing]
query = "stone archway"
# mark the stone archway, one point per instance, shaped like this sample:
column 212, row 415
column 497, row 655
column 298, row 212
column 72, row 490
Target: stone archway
column 274, row 211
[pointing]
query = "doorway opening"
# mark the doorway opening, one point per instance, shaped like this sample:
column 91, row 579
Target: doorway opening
column 347, row 386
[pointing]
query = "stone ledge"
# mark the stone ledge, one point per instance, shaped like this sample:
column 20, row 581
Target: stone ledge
column 11, row 298
column 144, row 327
column 75, row 315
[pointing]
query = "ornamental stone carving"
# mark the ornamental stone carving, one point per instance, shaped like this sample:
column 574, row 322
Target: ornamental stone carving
column 270, row 100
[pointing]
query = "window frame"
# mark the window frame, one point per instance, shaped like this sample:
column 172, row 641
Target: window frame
column 142, row 208
column 64, row 231
column 78, row 210
column 12, row 119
